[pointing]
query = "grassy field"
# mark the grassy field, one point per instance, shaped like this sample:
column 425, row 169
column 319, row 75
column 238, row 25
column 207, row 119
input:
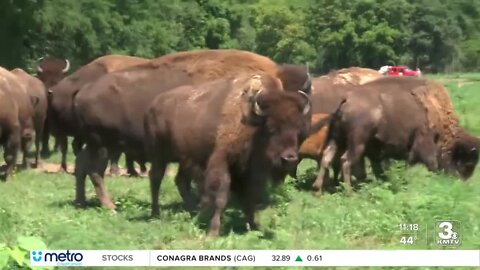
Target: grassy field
column 40, row 205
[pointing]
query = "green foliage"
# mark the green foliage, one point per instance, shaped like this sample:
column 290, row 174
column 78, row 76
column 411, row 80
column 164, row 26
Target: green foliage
column 17, row 255
column 436, row 35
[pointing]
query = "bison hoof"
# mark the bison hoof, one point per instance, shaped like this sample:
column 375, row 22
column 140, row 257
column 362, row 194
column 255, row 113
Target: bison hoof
column 80, row 203
column 108, row 204
column 213, row 232
column 155, row 214
column 133, row 174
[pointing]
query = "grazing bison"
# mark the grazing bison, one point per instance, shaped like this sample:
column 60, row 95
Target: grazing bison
column 407, row 118
column 235, row 131
column 36, row 90
column 111, row 109
column 63, row 122
column 25, row 104
column 459, row 150
column 50, row 70
column 9, row 129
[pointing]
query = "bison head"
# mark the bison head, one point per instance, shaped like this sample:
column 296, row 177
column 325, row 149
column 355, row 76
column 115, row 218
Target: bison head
column 465, row 155
column 279, row 116
column 295, row 78
column 51, row 70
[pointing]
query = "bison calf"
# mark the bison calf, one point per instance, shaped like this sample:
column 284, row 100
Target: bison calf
column 231, row 135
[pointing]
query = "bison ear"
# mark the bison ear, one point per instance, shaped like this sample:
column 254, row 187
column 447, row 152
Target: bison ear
column 34, row 101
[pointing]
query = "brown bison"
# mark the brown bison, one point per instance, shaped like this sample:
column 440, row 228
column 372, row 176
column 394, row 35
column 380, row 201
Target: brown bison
column 234, row 132
column 50, row 70
column 36, row 90
column 327, row 93
column 399, row 118
column 111, row 109
column 63, row 122
column 25, row 104
column 9, row 128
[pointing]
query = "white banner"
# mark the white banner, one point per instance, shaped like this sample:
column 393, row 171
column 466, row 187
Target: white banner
column 255, row 258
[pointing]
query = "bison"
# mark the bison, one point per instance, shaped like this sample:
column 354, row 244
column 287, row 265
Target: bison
column 111, row 109
column 328, row 91
column 50, row 70
column 400, row 118
column 63, row 122
column 234, row 132
column 36, row 90
column 25, row 104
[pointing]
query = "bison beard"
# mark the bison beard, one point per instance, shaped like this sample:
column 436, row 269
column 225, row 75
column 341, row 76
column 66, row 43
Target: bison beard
column 237, row 134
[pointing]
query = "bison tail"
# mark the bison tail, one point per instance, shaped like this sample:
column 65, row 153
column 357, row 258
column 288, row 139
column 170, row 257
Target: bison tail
column 315, row 127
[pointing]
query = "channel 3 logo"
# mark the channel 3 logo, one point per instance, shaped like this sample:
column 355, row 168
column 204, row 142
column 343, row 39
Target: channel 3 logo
column 448, row 233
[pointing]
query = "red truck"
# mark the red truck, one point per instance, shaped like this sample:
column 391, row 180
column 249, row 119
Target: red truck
column 403, row 71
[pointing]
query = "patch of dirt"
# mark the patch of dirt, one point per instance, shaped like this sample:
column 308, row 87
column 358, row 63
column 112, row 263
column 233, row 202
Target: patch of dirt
column 47, row 167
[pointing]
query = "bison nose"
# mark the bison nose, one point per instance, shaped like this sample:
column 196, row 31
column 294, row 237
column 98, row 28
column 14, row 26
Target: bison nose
column 290, row 158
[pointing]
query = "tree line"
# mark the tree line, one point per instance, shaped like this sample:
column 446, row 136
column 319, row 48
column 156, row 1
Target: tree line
column 435, row 35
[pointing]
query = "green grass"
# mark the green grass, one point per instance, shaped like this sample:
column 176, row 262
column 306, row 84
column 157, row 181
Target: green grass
column 39, row 204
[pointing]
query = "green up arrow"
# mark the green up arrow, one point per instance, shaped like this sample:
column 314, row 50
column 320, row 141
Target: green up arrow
column 299, row 259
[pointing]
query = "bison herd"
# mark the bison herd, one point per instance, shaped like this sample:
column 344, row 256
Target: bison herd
column 233, row 120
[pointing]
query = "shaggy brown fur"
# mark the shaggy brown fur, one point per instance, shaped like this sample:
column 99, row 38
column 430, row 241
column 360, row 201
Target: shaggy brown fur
column 453, row 138
column 111, row 109
column 215, row 129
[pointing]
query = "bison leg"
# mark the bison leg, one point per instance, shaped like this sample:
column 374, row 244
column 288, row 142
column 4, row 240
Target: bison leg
column 157, row 172
column 183, row 180
column 99, row 162
column 77, row 145
column 26, row 143
column 114, row 156
column 131, row 166
column 45, row 141
column 38, row 139
column 81, row 171
column 217, row 187
column 353, row 156
column 11, row 152
column 346, row 170
column 328, row 155
column 359, row 170
column 63, row 141
column 377, row 168
column 143, row 167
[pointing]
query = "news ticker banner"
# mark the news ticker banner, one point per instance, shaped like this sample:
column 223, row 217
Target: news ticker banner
column 158, row 258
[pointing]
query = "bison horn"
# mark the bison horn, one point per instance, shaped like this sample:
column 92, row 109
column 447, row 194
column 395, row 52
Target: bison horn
column 67, row 66
column 39, row 69
column 307, row 83
column 474, row 149
column 308, row 106
column 256, row 107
